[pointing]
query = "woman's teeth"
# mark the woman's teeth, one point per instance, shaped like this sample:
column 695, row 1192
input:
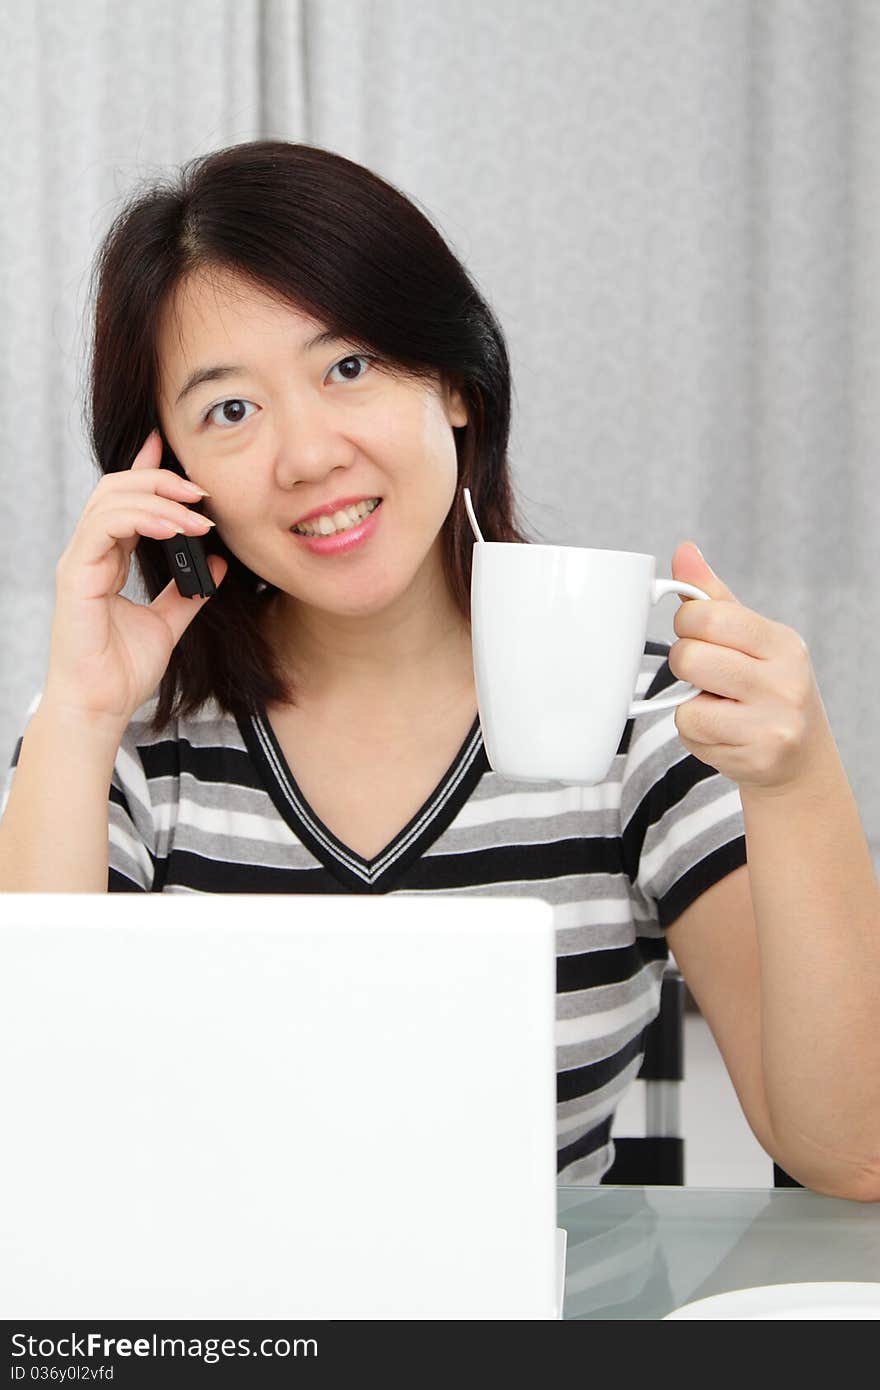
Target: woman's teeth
column 339, row 521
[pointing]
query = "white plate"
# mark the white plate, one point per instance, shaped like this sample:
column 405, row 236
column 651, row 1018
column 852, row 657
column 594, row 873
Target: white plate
column 815, row 1302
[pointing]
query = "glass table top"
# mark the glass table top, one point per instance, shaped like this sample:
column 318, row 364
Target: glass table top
column 639, row 1252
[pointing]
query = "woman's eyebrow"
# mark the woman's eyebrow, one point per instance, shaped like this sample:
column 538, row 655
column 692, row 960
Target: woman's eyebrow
column 219, row 373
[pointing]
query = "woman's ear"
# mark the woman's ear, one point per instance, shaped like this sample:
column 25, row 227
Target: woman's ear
column 456, row 409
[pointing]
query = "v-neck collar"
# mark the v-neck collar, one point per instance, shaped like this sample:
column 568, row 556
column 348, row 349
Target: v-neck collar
column 379, row 874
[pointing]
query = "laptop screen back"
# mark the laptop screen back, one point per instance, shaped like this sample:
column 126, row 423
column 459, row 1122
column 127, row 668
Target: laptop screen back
column 272, row 1106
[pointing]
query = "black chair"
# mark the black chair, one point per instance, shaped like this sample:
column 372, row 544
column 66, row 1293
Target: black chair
column 783, row 1179
column 656, row 1159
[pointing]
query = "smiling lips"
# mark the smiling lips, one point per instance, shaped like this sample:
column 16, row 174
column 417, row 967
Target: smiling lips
column 343, row 531
column 341, row 520
column 330, row 509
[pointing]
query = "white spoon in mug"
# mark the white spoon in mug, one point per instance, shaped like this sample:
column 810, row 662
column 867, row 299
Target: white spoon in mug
column 469, row 508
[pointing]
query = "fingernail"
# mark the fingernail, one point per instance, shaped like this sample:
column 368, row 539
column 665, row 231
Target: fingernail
column 702, row 557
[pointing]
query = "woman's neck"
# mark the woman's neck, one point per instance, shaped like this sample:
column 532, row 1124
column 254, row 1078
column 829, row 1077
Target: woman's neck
column 382, row 665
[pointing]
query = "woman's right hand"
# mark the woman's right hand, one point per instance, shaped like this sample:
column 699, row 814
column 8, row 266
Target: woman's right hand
column 107, row 655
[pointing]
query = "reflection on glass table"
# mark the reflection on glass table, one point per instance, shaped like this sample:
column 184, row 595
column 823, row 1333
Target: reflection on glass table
column 639, row 1252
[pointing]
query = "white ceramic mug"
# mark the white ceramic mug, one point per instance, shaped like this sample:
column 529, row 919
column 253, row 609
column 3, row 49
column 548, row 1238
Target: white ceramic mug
column 558, row 634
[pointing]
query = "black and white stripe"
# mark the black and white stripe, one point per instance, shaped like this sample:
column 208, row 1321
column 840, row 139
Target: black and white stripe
column 214, row 807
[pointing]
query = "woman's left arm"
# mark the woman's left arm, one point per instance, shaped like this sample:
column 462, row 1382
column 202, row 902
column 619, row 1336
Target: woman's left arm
column 814, row 892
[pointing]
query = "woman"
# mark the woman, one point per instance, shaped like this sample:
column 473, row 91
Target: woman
column 300, row 340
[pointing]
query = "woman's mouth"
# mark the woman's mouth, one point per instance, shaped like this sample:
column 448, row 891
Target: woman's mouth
column 335, row 522
column 343, row 531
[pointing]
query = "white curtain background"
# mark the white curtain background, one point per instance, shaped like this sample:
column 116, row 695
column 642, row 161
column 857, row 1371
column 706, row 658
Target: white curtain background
column 672, row 207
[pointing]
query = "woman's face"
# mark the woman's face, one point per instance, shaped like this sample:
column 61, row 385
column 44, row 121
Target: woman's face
column 291, row 428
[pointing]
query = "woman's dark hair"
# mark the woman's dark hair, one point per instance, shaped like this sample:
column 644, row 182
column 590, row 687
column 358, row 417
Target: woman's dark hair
column 334, row 241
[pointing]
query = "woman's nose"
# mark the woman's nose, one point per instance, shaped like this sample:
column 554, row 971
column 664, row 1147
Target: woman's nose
column 309, row 445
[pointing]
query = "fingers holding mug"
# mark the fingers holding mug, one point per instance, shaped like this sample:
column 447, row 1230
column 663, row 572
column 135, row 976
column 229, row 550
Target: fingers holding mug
column 708, row 725
column 715, row 669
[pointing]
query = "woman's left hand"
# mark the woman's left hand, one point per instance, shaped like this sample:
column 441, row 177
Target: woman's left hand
column 760, row 718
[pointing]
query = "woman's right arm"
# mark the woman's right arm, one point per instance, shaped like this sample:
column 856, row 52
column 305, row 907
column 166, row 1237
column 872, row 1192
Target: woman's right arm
column 54, row 835
column 107, row 655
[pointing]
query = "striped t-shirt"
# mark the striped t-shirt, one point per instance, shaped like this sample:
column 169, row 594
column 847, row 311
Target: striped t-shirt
column 211, row 806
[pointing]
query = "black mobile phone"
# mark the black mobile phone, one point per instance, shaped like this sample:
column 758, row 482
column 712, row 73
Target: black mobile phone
column 188, row 565
column 186, row 556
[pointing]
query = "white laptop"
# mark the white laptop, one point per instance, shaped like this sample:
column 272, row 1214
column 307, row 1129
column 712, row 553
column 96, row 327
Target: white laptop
column 266, row 1106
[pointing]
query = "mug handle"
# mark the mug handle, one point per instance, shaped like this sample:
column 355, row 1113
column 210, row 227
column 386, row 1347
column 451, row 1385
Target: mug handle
column 659, row 589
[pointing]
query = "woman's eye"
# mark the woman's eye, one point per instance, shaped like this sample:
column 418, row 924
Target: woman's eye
column 221, row 405
column 360, row 357
column 237, row 401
